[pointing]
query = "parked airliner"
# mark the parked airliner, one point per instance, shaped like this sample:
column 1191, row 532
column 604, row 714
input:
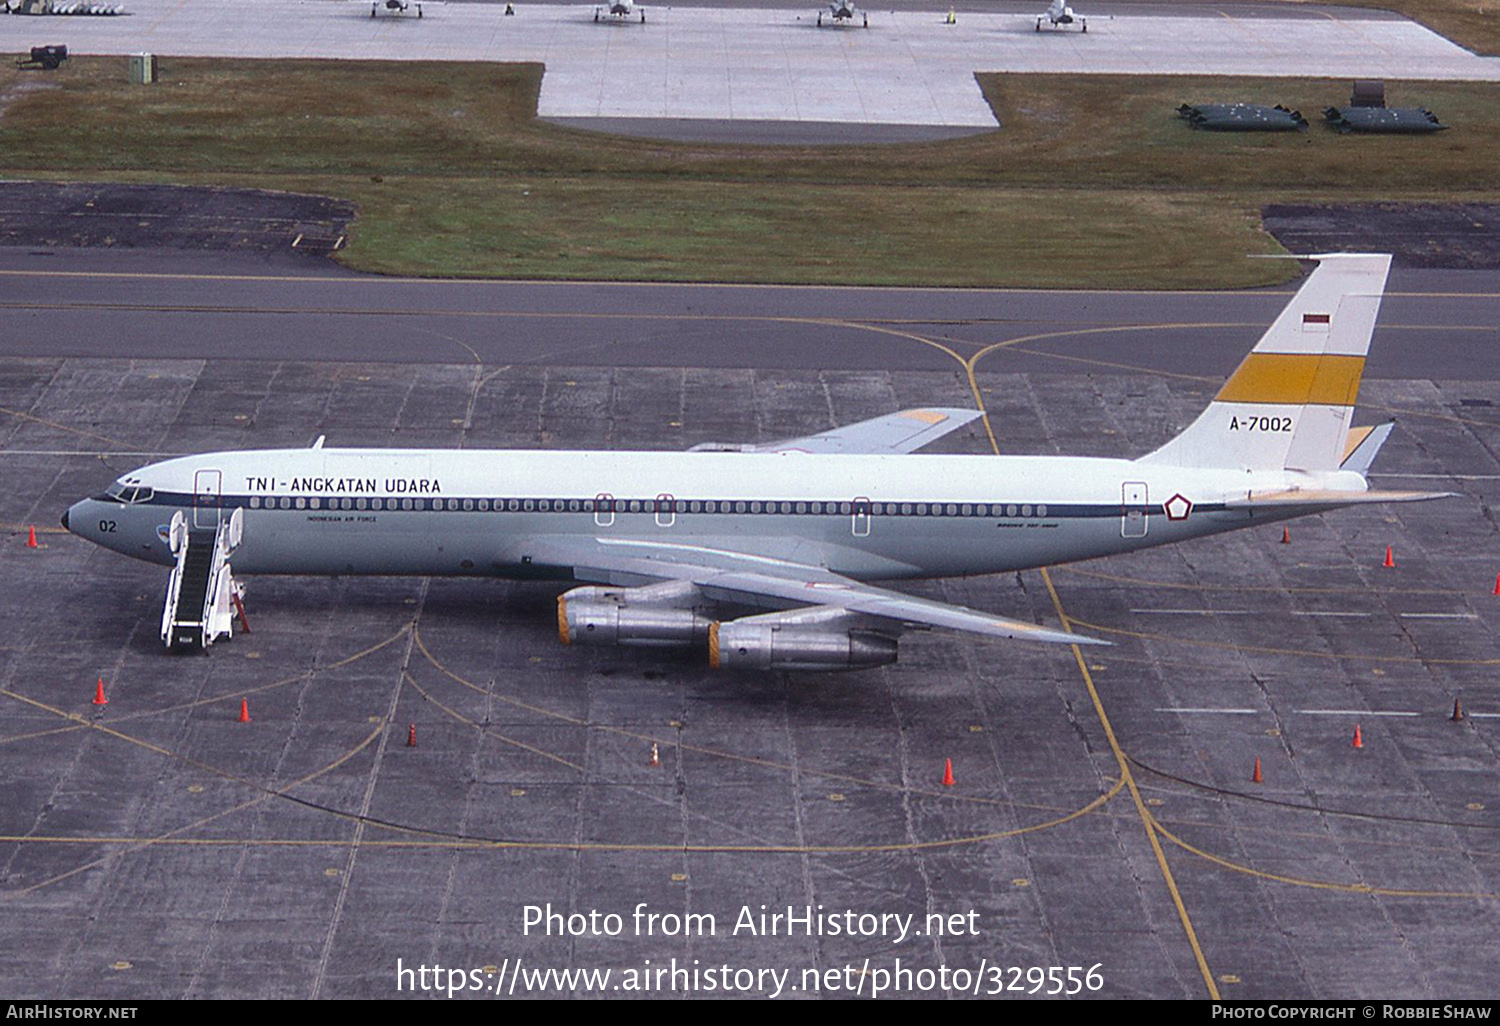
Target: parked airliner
column 665, row 542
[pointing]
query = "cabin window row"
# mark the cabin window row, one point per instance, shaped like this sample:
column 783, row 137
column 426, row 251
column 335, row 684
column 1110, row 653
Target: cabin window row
column 879, row 509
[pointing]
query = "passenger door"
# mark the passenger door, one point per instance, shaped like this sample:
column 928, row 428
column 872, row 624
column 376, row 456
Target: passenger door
column 208, row 491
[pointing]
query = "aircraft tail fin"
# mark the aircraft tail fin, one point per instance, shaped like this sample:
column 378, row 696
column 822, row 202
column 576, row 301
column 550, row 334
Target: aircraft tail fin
column 1289, row 403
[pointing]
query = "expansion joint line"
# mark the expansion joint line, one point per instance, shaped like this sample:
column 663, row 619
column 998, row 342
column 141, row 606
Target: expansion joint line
column 1148, row 822
column 336, row 916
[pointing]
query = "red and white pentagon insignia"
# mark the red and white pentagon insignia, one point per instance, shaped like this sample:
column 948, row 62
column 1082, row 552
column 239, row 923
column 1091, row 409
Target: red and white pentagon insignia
column 1177, row 507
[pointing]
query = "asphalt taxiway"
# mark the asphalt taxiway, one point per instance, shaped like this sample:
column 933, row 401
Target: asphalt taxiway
column 96, row 303
column 1102, row 812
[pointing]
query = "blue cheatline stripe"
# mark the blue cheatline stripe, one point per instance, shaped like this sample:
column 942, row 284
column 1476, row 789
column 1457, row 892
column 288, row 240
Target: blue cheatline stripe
column 680, row 507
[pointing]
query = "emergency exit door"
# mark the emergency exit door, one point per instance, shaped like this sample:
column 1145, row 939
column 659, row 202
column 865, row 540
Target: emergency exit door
column 1133, row 501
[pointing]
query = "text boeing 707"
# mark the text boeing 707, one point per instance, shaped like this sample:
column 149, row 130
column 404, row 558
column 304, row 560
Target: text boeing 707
column 801, row 528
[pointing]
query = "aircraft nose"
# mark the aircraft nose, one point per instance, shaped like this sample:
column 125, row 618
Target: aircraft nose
column 75, row 510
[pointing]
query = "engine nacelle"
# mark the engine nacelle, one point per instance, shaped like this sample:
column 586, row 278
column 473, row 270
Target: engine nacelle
column 628, row 616
column 751, row 645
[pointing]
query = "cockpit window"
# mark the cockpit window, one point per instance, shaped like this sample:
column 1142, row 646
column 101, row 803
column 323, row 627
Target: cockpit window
column 128, row 494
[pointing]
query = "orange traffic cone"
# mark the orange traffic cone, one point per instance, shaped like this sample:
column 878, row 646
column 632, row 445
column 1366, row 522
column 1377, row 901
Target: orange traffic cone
column 99, row 698
column 1359, row 742
column 1255, row 777
column 1390, row 557
column 947, row 772
column 244, row 711
column 31, row 544
column 1458, row 712
column 411, row 736
column 1286, row 536
column 655, row 756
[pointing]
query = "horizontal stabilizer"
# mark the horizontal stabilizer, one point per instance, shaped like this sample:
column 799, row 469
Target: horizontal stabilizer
column 1362, row 446
column 1328, row 497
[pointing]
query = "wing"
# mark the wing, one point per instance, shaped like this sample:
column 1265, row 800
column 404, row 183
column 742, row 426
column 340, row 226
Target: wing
column 737, row 577
column 902, row 432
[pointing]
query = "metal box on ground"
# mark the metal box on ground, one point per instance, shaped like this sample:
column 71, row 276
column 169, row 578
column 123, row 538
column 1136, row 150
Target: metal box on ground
column 1368, row 92
column 142, row 68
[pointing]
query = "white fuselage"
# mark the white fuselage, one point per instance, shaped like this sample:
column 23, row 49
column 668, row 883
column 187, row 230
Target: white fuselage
column 458, row 512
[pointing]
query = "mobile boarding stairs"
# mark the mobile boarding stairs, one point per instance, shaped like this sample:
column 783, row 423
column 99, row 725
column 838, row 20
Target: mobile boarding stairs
column 201, row 592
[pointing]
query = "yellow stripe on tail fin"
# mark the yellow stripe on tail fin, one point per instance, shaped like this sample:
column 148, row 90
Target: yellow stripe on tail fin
column 1294, row 379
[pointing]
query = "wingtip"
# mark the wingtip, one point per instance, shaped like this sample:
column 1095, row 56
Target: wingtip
column 1067, row 638
column 926, row 415
column 941, row 414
